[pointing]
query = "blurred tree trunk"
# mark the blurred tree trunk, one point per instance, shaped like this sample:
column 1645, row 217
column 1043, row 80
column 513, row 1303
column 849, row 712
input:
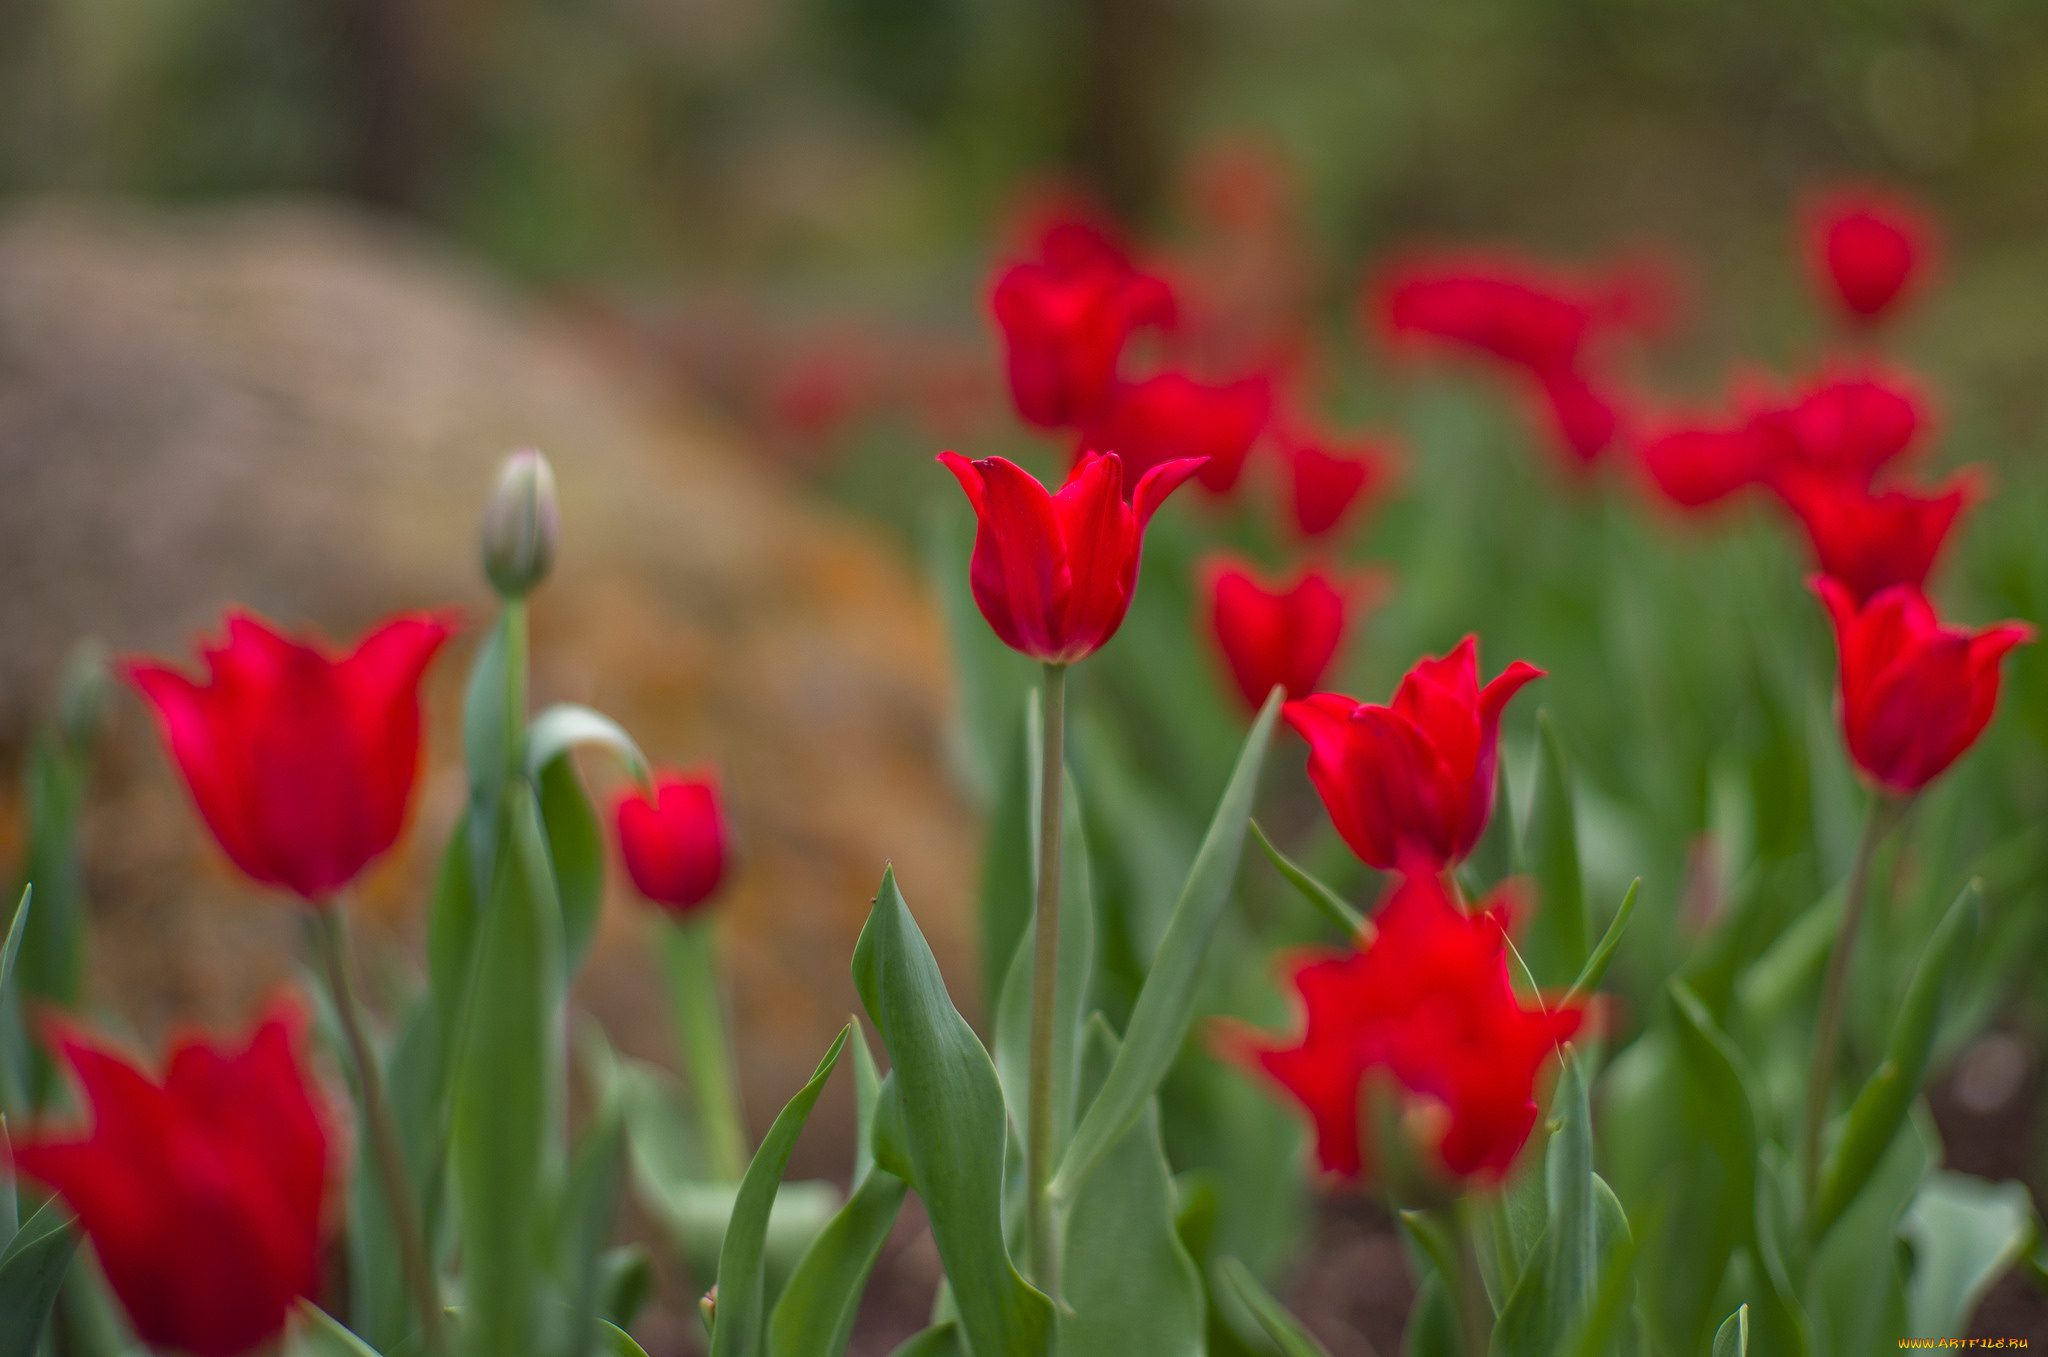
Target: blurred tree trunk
column 396, row 87
column 1140, row 62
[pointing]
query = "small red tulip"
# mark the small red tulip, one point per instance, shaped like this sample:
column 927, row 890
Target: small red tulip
column 1849, row 427
column 205, row 1195
column 1699, row 465
column 1172, row 416
column 1426, row 1001
column 1867, row 248
column 1065, row 322
column 1414, row 779
column 1500, row 307
column 1871, row 540
column 1914, row 694
column 675, row 845
column 301, row 763
column 1326, row 483
column 1054, row 573
column 1289, row 635
column 1584, row 416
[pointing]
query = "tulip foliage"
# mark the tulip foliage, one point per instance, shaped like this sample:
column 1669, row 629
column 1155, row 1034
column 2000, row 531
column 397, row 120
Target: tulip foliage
column 1621, row 1011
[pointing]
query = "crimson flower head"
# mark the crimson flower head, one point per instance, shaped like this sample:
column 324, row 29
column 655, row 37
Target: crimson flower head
column 1914, row 694
column 1503, row 308
column 1411, row 782
column 1172, row 416
column 1870, row 540
column 1584, row 413
column 204, row 1195
column 1424, row 1001
column 301, row 762
column 1054, row 573
column 1065, row 319
column 1287, row 635
column 1866, row 248
column 1325, row 483
column 1697, row 465
column 1850, row 427
column 675, row 843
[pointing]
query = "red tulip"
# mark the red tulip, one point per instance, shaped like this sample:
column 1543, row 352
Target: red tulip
column 1288, row 635
column 1500, row 307
column 1412, row 780
column 1065, row 321
column 1583, row 415
column 1054, row 573
column 1914, row 694
column 1872, row 540
column 1699, row 465
column 1426, row 1002
column 1866, row 248
column 675, row 844
column 1849, row 427
column 1172, row 416
column 205, row 1195
column 301, row 763
column 1325, row 483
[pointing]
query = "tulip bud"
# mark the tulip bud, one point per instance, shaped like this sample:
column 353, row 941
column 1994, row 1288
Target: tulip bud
column 521, row 524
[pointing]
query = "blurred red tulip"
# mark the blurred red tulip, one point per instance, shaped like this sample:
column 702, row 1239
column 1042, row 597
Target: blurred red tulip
column 204, row 1196
column 301, row 764
column 1171, row 416
column 1700, row 465
column 1870, row 540
column 1914, row 694
column 1425, row 1001
column 1054, row 573
column 1287, row 635
column 1326, row 483
column 1412, row 781
column 1849, row 427
column 675, row 844
column 1866, row 247
column 1065, row 319
column 1584, row 416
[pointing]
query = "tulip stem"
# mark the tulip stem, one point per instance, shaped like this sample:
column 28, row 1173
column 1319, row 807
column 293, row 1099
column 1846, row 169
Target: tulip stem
column 385, row 1150
column 1045, row 957
column 691, row 951
column 1885, row 812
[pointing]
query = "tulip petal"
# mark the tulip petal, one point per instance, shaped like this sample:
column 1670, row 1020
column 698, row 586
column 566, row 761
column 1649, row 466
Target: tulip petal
column 1019, row 570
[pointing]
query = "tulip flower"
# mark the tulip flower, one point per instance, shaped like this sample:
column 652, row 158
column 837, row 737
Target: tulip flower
column 1849, row 427
column 1326, row 483
column 1054, row 573
column 1412, row 781
column 675, row 843
column 1866, row 249
column 204, row 1195
column 1584, row 416
column 1065, row 322
column 301, row 763
column 1289, row 635
column 1914, row 694
column 1172, row 416
column 1698, row 465
column 1424, row 1000
column 1871, row 540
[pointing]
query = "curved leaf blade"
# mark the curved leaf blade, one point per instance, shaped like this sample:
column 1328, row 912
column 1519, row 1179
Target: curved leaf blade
column 566, row 725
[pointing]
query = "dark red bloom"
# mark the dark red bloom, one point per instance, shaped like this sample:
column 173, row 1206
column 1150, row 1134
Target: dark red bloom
column 1866, row 248
column 1065, row 320
column 1914, row 694
column 1326, row 483
column 1054, row 573
column 675, row 844
column 1583, row 414
column 1699, row 465
column 1500, row 307
column 1289, row 635
column 1411, row 781
column 1172, row 416
column 1426, row 1001
column 1871, row 540
column 204, row 1196
column 1849, row 427
column 300, row 762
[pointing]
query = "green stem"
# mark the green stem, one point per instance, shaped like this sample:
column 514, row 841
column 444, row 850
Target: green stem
column 1045, row 956
column 1884, row 812
column 385, row 1151
column 693, row 981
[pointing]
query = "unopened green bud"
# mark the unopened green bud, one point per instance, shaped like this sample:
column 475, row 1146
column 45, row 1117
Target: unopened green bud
column 521, row 525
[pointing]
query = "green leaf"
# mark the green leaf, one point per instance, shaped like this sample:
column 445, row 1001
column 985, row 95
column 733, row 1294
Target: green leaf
column 1881, row 1106
column 1965, row 1233
column 1433, row 1322
column 12, row 947
column 1568, row 1181
column 560, row 728
column 867, row 1097
column 1328, row 903
column 31, row 1272
column 1613, row 1298
column 493, row 726
column 1791, row 966
column 576, row 849
column 953, row 1127
column 452, row 915
column 1008, row 862
column 415, row 1088
column 1166, row 1005
column 940, row 1340
column 814, row 1316
column 742, row 1267
column 618, row 1342
column 1732, row 1339
column 625, row 1282
column 589, row 1208
column 1285, row 1331
column 1595, row 968
column 1557, row 936
column 1127, row 1284
column 315, row 1333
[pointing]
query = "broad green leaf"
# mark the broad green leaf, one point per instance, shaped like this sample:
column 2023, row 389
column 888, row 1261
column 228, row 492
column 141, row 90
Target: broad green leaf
column 619, row 1343
column 1008, row 859
column 576, row 849
column 31, row 1272
column 1605, row 1326
column 1285, row 1331
column 1595, row 968
column 1433, row 1322
column 1568, row 1182
column 415, row 1088
column 953, row 1128
column 1881, row 1106
column 557, row 730
column 1166, row 1005
column 452, row 915
column 1965, row 1233
column 315, row 1333
column 1557, row 936
column 589, row 1208
column 742, row 1265
column 625, row 1282
column 1732, row 1339
column 940, row 1340
column 867, row 1097
column 1328, row 903
column 1854, row 1285
column 814, row 1316
column 1791, row 966
column 493, row 728
column 1127, row 1284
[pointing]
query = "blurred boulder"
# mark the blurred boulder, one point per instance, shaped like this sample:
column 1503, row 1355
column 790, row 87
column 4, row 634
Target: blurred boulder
column 299, row 410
